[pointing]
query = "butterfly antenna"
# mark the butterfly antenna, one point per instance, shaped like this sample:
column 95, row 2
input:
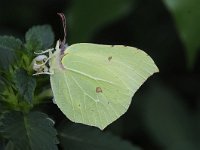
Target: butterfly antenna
column 62, row 43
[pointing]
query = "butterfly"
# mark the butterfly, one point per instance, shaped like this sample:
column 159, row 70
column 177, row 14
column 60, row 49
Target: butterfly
column 93, row 84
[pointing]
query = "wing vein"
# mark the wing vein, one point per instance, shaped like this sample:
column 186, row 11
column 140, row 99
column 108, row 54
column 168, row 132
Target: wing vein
column 89, row 76
column 84, row 93
column 70, row 97
column 112, row 107
column 100, row 119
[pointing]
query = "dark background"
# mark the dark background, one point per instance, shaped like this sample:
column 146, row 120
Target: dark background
column 164, row 113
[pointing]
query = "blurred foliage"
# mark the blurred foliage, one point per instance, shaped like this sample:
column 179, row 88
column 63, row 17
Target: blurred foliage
column 84, row 137
column 186, row 15
column 169, row 120
column 165, row 113
column 88, row 16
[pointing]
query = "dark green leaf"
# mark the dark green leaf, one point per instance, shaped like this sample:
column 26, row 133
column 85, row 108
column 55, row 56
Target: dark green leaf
column 25, row 84
column 39, row 38
column 168, row 119
column 85, row 17
column 33, row 131
column 1, row 145
column 4, row 106
column 2, row 84
column 8, row 47
column 10, row 146
column 82, row 137
column 186, row 14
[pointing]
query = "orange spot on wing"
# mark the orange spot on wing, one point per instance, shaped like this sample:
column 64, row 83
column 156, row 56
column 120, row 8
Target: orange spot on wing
column 98, row 90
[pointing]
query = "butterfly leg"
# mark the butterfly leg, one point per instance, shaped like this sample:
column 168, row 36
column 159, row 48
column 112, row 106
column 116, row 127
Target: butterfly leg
column 39, row 73
column 39, row 63
column 43, row 52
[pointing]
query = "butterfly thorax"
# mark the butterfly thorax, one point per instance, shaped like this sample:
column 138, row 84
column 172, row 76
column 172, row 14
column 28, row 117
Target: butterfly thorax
column 55, row 62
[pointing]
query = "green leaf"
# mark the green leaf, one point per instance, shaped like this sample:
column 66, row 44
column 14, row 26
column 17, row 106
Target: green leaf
column 82, row 137
column 186, row 14
column 39, row 37
column 86, row 17
column 8, row 47
column 168, row 119
column 25, row 84
column 33, row 131
column 4, row 106
column 2, row 84
column 10, row 146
